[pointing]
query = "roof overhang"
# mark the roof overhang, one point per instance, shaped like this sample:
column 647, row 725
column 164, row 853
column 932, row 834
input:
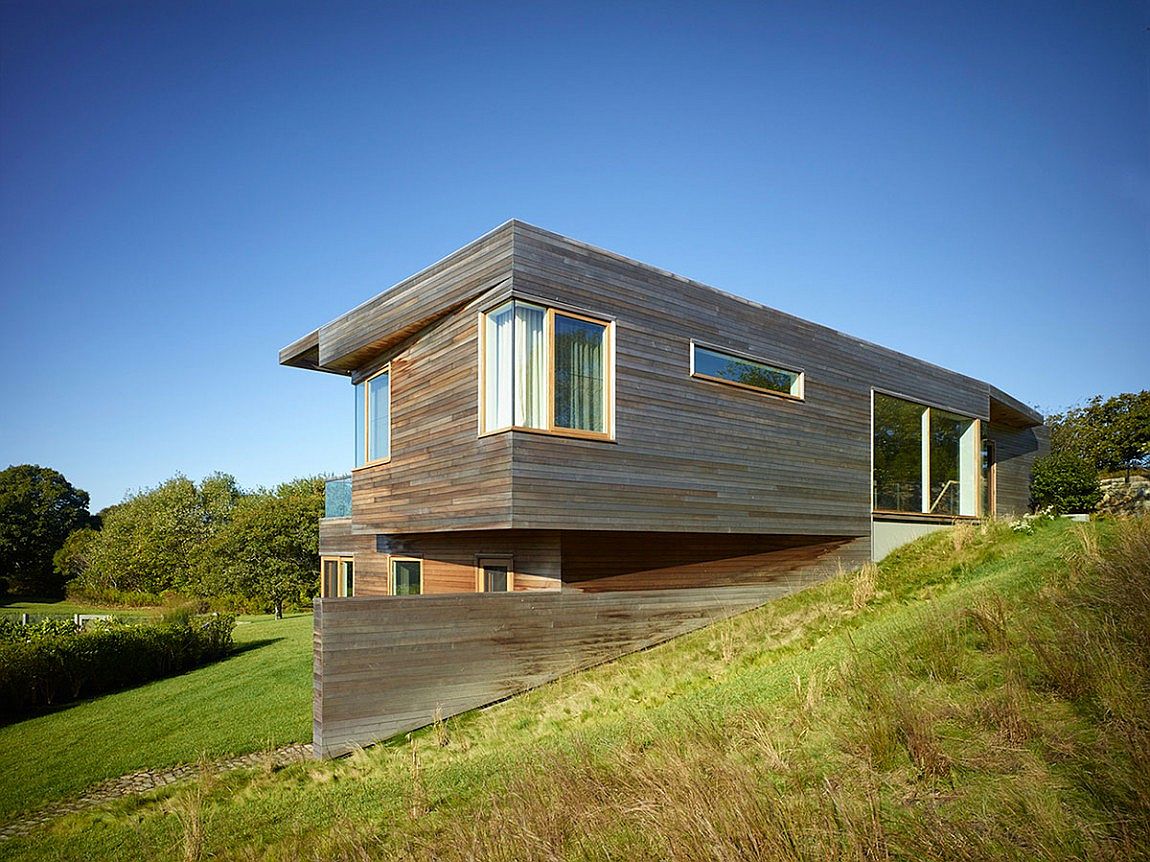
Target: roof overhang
column 1008, row 410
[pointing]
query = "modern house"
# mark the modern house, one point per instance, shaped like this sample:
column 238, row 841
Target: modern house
column 533, row 413
column 574, row 450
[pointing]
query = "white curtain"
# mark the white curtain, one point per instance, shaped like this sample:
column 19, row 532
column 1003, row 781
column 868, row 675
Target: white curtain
column 530, row 366
column 497, row 366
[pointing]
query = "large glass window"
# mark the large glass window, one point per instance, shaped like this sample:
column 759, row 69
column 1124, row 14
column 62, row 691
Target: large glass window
column 926, row 460
column 373, row 419
column 728, row 368
column 406, row 577
column 545, row 370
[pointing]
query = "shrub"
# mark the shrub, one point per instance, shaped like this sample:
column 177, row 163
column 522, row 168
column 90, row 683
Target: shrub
column 1065, row 482
column 54, row 661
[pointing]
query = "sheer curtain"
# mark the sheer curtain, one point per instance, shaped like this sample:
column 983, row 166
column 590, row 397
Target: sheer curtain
column 497, row 368
column 530, row 366
column 579, row 378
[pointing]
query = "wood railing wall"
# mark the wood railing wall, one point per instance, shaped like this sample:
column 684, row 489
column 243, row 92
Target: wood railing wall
column 387, row 665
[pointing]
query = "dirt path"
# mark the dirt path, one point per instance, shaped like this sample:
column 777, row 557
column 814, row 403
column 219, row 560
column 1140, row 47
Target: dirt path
column 136, row 783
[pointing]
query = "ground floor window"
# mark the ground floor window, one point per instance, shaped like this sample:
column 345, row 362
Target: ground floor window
column 494, row 574
column 337, row 577
column 406, row 576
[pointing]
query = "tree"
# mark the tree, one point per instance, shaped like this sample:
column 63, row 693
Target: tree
column 1065, row 482
column 270, row 548
column 1111, row 434
column 38, row 509
column 73, row 558
column 152, row 541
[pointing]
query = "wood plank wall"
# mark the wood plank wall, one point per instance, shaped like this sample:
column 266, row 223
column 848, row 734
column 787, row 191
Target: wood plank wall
column 384, row 666
column 698, row 456
column 449, row 559
column 596, row 561
column 1015, row 451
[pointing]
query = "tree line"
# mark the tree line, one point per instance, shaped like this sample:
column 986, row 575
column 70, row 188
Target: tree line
column 242, row 549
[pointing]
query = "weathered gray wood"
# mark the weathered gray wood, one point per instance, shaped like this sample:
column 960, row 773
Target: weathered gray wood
column 385, row 666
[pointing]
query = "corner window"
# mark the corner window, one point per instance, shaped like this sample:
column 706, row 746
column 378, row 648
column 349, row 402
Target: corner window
column 373, row 419
column 338, row 577
column 722, row 367
column 406, row 576
column 926, row 461
column 545, row 370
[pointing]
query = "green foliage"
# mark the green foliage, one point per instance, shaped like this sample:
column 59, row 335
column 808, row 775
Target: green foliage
column 1111, row 434
column 154, row 540
column 1064, row 482
column 38, row 509
column 71, row 561
column 270, row 548
column 54, row 661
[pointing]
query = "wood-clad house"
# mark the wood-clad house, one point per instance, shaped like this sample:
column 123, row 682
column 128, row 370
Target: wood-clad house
column 535, row 413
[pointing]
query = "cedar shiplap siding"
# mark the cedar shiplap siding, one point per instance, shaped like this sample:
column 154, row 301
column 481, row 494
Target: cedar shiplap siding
column 385, row 666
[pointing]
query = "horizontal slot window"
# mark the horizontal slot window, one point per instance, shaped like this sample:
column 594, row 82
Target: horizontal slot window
column 710, row 364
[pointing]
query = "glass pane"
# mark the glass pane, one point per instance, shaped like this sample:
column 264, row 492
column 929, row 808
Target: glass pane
column 897, row 454
column 580, row 384
column 945, row 436
column 712, row 363
column 495, row 579
column 348, row 578
column 330, row 579
column 530, row 366
column 360, row 452
column 497, row 364
column 987, row 461
column 378, row 426
column 407, row 580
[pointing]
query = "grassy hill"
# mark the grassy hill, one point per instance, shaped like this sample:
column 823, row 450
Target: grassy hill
column 981, row 695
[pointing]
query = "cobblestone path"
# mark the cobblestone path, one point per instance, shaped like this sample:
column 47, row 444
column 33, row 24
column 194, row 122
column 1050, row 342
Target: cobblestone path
column 135, row 783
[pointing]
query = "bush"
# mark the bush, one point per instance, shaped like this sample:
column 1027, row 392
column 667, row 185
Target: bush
column 54, row 661
column 1064, row 482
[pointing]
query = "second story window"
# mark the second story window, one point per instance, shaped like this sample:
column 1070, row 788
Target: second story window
column 545, row 370
column 373, row 419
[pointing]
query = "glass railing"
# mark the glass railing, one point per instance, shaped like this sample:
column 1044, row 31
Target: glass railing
column 337, row 497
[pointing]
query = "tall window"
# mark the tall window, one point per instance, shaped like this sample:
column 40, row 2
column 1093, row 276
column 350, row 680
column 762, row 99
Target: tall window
column 373, row 419
column 545, row 370
column 926, row 460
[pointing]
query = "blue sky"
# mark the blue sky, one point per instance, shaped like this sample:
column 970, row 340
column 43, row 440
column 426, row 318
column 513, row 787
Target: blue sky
column 187, row 187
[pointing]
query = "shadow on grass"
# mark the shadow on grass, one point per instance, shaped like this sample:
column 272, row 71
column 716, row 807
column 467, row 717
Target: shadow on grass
column 237, row 649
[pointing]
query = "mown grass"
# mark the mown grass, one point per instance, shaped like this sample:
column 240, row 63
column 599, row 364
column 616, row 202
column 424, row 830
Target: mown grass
column 15, row 607
column 258, row 697
column 980, row 696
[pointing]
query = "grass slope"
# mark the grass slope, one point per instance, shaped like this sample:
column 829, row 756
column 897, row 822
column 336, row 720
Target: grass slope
column 980, row 696
column 259, row 697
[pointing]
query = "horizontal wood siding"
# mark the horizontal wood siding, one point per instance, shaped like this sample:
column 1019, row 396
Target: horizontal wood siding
column 596, row 561
column 449, row 559
column 1014, row 451
column 441, row 475
column 385, row 666
column 692, row 455
column 354, row 338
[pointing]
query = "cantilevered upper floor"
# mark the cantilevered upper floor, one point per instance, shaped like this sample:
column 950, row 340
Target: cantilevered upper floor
column 530, row 381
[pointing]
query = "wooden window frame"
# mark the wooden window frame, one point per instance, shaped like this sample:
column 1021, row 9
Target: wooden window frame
column 552, row 430
column 341, row 582
column 391, row 561
column 386, row 369
column 924, row 463
column 499, row 559
column 800, row 374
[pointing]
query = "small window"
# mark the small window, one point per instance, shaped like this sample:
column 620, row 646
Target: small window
column 373, row 419
column 406, row 577
column 710, row 364
column 338, row 577
column 494, row 574
column 545, row 370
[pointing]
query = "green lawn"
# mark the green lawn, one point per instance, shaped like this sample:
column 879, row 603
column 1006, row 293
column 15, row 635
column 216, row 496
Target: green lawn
column 258, row 697
column 65, row 607
column 964, row 702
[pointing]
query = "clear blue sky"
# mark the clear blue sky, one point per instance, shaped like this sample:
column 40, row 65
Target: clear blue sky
column 187, row 187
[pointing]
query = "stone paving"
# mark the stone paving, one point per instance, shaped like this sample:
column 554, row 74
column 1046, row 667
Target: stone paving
column 136, row 783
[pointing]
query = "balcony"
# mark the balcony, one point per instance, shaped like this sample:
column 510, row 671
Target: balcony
column 337, row 497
